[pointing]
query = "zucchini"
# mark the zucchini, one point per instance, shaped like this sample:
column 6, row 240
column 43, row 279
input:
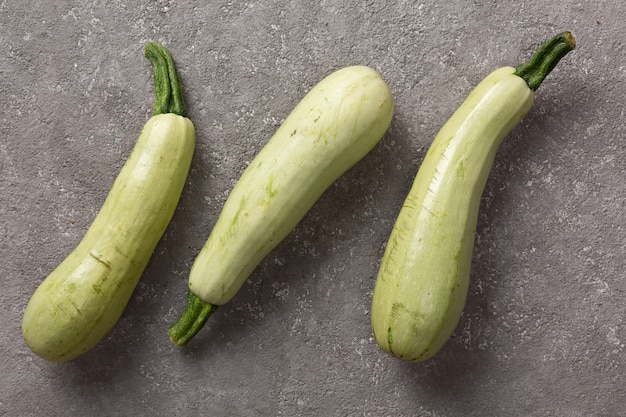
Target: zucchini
column 335, row 125
column 81, row 300
column 423, row 280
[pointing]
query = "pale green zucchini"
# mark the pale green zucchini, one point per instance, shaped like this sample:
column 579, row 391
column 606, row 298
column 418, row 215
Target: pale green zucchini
column 423, row 280
column 335, row 125
column 82, row 299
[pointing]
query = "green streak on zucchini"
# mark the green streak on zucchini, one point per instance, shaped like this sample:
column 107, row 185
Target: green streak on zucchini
column 335, row 125
column 423, row 280
column 78, row 304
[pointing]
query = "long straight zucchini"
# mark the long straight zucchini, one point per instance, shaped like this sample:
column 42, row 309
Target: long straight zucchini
column 335, row 125
column 81, row 300
column 423, row 279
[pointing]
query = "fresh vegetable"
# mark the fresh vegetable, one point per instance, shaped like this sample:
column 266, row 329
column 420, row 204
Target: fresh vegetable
column 423, row 279
column 337, row 123
column 81, row 300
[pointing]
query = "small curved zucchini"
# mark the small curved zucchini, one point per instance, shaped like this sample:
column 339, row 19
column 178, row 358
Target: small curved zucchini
column 335, row 125
column 423, row 279
column 81, row 300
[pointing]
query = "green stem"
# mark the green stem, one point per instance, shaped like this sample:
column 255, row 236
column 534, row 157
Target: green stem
column 167, row 86
column 535, row 70
column 193, row 318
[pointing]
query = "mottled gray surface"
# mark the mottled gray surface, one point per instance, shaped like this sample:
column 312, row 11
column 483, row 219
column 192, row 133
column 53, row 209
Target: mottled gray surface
column 543, row 331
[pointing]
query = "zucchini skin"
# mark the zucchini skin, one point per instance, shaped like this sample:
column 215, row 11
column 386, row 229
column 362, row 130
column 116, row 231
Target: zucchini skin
column 423, row 280
column 335, row 125
column 78, row 304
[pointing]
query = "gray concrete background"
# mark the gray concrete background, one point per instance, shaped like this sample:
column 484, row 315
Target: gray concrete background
column 543, row 331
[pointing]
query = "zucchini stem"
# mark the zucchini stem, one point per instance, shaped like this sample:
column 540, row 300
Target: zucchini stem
column 536, row 69
column 192, row 320
column 167, row 86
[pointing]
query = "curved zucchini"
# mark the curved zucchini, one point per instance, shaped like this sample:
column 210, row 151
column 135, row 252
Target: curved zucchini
column 423, row 279
column 81, row 300
column 335, row 125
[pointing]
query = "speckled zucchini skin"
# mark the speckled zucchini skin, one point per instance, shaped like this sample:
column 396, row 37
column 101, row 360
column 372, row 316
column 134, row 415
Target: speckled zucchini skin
column 335, row 125
column 83, row 298
column 78, row 304
column 423, row 279
column 424, row 275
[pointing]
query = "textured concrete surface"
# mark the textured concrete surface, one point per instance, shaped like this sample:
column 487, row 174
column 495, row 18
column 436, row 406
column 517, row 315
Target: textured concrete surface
column 543, row 331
